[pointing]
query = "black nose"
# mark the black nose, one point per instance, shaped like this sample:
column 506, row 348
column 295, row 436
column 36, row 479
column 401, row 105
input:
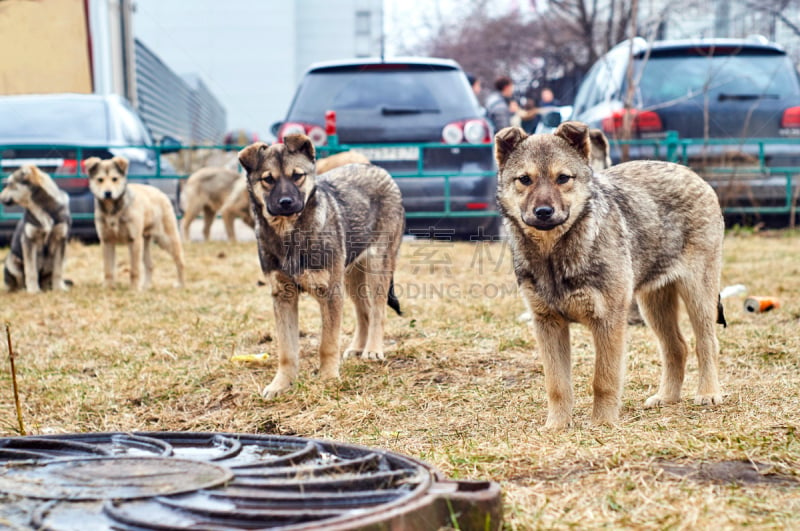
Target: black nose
column 285, row 202
column 107, row 195
column 543, row 212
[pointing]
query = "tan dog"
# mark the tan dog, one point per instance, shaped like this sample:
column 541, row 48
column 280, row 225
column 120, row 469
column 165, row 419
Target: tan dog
column 132, row 214
column 584, row 243
column 237, row 204
column 206, row 191
column 36, row 257
column 326, row 236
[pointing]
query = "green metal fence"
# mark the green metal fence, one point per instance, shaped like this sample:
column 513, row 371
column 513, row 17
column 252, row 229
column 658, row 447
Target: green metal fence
column 671, row 148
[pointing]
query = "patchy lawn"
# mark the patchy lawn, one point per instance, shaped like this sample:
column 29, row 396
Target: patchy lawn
column 461, row 388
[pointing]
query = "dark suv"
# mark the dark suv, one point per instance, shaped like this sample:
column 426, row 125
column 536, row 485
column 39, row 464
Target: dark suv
column 386, row 109
column 715, row 90
column 57, row 131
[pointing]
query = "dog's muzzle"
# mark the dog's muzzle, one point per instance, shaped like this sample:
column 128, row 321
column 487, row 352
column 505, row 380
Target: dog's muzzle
column 543, row 217
column 284, row 206
column 108, row 195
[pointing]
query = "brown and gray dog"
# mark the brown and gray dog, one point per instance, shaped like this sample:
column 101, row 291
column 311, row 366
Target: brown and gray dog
column 132, row 214
column 324, row 236
column 237, row 204
column 206, row 191
column 36, row 258
column 583, row 243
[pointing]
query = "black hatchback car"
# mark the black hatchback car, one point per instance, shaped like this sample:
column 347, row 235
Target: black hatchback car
column 717, row 89
column 57, row 131
column 387, row 109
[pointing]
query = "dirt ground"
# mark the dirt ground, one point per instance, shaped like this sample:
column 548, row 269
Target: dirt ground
column 461, row 387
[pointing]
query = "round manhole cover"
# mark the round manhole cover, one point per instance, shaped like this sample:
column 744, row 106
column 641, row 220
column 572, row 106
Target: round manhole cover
column 214, row 481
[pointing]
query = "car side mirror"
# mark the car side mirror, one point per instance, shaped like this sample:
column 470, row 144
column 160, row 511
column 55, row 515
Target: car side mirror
column 170, row 144
column 552, row 118
column 275, row 128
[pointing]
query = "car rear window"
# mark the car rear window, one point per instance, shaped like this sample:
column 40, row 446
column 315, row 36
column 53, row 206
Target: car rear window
column 67, row 121
column 385, row 89
column 671, row 79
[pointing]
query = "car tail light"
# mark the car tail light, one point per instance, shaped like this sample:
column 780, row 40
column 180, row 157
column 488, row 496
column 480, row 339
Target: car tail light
column 791, row 117
column 641, row 122
column 314, row 132
column 70, row 167
column 470, row 131
column 453, row 133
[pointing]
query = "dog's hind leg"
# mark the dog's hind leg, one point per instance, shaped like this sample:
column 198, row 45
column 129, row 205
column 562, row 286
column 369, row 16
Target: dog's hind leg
column 284, row 302
column 189, row 215
column 171, row 242
column 228, row 219
column 701, row 300
column 208, row 219
column 356, row 286
column 660, row 310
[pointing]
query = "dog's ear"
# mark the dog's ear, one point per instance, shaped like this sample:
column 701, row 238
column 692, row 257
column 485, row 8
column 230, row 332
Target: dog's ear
column 577, row 135
column 121, row 163
column 91, row 163
column 250, row 156
column 505, row 141
column 300, row 144
column 600, row 142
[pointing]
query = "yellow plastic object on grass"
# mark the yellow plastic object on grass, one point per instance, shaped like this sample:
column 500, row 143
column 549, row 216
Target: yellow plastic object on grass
column 250, row 358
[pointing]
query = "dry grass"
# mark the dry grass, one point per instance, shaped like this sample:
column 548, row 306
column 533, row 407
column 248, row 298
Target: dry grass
column 461, row 387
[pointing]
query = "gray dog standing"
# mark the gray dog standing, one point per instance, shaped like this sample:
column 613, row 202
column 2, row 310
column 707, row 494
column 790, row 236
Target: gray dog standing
column 584, row 243
column 324, row 236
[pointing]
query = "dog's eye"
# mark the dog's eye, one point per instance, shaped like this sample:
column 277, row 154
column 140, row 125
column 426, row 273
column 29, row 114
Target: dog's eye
column 524, row 180
column 298, row 175
column 563, row 179
column 113, row 179
column 268, row 179
column 100, row 180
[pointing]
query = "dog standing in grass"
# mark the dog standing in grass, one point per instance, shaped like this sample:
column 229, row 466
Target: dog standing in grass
column 237, row 204
column 132, row 214
column 583, row 243
column 39, row 242
column 206, row 191
column 324, row 236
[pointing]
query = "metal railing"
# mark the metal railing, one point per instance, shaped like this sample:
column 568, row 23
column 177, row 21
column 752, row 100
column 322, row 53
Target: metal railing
column 671, row 148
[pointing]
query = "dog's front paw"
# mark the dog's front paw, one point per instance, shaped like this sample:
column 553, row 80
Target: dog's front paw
column 658, row 401
column 557, row 422
column 352, row 353
column 33, row 289
column 271, row 391
column 372, row 355
column 279, row 385
column 708, row 400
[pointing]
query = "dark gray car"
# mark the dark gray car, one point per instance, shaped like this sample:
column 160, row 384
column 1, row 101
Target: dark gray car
column 57, row 131
column 717, row 89
column 387, row 108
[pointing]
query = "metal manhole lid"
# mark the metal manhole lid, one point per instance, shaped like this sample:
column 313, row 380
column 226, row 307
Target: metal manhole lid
column 179, row 480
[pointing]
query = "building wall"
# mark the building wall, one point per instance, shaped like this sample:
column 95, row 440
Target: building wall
column 251, row 54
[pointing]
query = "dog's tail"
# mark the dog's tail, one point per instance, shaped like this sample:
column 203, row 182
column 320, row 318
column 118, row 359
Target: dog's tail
column 720, row 313
column 392, row 301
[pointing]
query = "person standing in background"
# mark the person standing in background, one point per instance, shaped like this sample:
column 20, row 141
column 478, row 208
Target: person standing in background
column 500, row 104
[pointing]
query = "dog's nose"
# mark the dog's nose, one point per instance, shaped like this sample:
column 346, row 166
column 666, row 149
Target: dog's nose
column 285, row 202
column 543, row 212
column 107, row 194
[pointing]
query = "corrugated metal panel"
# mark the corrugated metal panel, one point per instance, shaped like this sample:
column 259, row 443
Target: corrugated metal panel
column 171, row 106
